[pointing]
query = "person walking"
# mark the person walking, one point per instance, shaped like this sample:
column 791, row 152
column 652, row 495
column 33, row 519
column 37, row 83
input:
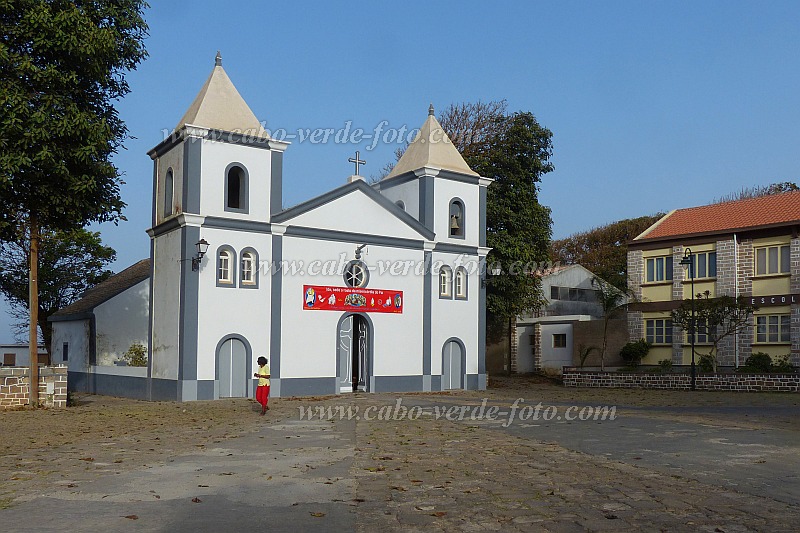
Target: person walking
column 262, row 391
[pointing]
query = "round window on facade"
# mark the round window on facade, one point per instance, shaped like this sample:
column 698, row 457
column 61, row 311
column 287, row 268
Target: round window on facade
column 356, row 274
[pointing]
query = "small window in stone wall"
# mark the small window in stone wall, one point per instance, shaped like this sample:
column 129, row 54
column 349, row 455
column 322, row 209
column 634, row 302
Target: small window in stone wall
column 559, row 340
column 9, row 359
column 65, row 351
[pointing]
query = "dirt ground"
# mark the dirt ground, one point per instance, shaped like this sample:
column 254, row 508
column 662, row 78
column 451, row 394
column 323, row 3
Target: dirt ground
column 393, row 463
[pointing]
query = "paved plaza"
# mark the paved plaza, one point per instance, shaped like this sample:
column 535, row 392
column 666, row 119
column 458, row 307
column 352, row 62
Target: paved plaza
column 668, row 461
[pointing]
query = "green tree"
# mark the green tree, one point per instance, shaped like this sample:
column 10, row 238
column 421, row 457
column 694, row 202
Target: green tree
column 716, row 318
column 70, row 262
column 62, row 67
column 518, row 227
column 759, row 190
column 603, row 250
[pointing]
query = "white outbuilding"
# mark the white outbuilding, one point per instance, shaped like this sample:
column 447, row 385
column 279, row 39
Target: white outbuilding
column 365, row 288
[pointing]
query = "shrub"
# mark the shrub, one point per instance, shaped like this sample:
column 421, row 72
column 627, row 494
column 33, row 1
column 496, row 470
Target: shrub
column 759, row 362
column 782, row 365
column 665, row 365
column 136, row 355
column 706, row 363
column 633, row 352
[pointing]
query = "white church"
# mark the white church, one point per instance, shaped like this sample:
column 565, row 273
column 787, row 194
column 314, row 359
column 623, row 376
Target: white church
column 373, row 288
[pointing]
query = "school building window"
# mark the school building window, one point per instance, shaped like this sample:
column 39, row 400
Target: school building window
column 701, row 332
column 773, row 260
column 773, row 328
column 658, row 331
column 659, row 269
column 706, row 265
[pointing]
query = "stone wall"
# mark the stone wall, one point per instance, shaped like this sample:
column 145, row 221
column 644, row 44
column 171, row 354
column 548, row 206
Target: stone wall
column 683, row 381
column 15, row 386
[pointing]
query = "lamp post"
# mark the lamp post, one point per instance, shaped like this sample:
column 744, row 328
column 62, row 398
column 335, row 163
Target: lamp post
column 688, row 260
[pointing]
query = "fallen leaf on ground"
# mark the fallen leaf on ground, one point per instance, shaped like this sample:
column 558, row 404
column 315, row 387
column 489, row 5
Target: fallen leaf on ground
column 196, row 500
column 318, row 515
column 131, row 517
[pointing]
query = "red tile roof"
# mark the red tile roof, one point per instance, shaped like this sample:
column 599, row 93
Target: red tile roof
column 764, row 211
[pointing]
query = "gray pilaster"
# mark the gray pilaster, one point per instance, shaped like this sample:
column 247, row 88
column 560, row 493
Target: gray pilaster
column 426, row 316
column 189, row 301
column 426, row 201
column 482, row 318
column 276, row 184
column 482, row 216
column 191, row 175
column 275, row 311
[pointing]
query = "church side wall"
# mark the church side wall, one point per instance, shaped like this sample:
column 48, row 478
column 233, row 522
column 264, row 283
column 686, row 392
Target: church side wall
column 166, row 305
column 215, row 159
column 76, row 334
column 455, row 319
column 121, row 322
column 235, row 311
column 408, row 193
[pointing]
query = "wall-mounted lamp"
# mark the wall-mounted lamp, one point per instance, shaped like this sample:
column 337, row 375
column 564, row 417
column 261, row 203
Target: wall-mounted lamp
column 202, row 248
column 358, row 251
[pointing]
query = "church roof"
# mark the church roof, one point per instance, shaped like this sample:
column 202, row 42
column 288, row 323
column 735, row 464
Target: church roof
column 219, row 106
column 431, row 148
column 104, row 291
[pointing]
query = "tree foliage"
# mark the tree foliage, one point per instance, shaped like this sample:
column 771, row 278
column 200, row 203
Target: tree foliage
column 603, row 250
column 61, row 68
column 718, row 318
column 70, row 263
column 518, row 227
column 759, row 190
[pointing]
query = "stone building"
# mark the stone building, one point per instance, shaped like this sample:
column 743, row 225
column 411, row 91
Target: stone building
column 747, row 247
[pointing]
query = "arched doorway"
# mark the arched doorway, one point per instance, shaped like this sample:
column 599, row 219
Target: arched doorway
column 353, row 353
column 232, row 368
column 453, row 357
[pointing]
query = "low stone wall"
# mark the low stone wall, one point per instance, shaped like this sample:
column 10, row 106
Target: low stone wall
column 15, row 386
column 683, row 381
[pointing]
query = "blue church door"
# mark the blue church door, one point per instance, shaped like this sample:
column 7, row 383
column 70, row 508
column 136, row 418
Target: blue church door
column 451, row 366
column 232, row 369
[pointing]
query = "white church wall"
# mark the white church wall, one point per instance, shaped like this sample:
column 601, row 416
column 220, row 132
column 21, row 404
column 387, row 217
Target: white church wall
column 215, row 158
column 408, row 193
column 444, row 191
column 454, row 318
column 308, row 338
column 356, row 213
column 121, row 322
column 172, row 159
column 232, row 310
column 166, row 305
column 76, row 334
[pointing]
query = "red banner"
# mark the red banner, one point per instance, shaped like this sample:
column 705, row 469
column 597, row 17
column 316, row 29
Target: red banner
column 323, row 298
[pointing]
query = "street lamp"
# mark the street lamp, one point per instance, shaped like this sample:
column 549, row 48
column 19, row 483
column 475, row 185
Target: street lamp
column 688, row 260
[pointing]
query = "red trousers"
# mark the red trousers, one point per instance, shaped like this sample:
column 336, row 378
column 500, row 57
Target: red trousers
column 262, row 395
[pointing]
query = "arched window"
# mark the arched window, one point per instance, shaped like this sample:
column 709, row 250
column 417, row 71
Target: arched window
column 226, row 259
column 236, row 189
column 456, row 223
column 248, row 276
column 461, row 284
column 445, row 282
column 356, row 274
column 401, row 204
column 169, row 192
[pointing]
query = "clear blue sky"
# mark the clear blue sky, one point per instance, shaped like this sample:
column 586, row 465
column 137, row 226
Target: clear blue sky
column 653, row 105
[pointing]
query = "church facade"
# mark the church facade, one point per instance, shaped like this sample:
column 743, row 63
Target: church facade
column 365, row 288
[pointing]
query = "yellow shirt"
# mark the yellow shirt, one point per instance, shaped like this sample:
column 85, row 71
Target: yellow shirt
column 263, row 381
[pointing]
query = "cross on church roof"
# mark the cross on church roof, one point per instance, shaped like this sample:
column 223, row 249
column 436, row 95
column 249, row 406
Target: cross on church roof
column 218, row 60
column 357, row 161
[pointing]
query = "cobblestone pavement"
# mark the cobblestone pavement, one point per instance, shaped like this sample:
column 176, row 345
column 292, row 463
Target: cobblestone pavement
column 121, row 465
